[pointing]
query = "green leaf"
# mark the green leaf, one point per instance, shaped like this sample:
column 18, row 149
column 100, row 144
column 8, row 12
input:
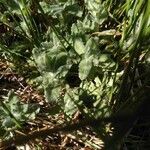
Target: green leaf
column 82, row 27
column 60, row 60
column 103, row 58
column 51, row 9
column 85, row 67
column 97, row 10
column 79, row 46
column 91, row 48
column 71, row 100
column 16, row 112
column 52, row 93
column 43, row 62
column 73, row 9
column 8, row 123
column 50, row 58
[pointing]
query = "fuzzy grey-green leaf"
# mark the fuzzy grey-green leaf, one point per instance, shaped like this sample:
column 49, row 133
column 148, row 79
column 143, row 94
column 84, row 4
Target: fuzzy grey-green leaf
column 85, row 67
column 79, row 46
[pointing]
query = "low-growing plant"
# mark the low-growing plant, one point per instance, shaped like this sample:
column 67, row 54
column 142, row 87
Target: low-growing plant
column 87, row 55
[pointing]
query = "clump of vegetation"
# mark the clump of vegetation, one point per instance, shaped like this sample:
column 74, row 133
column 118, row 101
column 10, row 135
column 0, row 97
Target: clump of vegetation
column 89, row 58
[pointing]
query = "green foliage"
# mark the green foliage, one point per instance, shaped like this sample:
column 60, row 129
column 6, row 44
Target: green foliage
column 97, row 10
column 70, row 61
column 86, row 54
column 13, row 114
